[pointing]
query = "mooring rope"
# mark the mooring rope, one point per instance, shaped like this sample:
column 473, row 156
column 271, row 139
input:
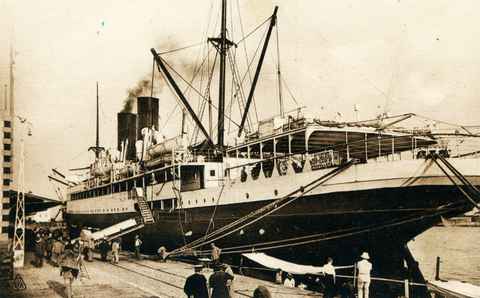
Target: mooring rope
column 257, row 215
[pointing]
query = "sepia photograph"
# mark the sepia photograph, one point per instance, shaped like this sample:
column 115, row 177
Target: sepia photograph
column 240, row 148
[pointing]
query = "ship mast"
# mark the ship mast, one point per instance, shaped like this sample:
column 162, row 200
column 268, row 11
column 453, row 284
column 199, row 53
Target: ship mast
column 97, row 149
column 222, row 44
column 222, row 47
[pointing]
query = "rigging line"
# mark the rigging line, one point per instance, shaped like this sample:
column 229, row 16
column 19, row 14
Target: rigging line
column 471, row 201
column 249, row 64
column 246, row 59
column 285, row 200
column 170, row 115
column 202, row 111
column 196, row 91
column 374, row 229
column 349, row 230
column 442, row 122
column 279, row 74
column 254, row 30
column 241, row 100
column 214, row 211
column 238, row 86
column 182, row 48
column 289, row 91
column 233, row 95
column 179, row 200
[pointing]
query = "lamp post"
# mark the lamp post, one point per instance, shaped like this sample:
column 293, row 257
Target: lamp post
column 19, row 232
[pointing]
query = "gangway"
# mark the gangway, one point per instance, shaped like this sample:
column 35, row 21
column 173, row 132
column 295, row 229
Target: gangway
column 116, row 230
column 126, row 226
column 144, row 209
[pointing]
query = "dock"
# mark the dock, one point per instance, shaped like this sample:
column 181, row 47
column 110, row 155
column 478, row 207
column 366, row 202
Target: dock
column 130, row 278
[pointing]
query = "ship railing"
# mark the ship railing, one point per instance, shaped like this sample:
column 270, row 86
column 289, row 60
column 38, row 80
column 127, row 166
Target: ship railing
column 313, row 279
column 271, row 164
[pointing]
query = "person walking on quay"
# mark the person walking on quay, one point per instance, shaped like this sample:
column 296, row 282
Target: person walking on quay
column 39, row 251
column 104, row 248
column 57, row 250
column 115, row 251
column 216, row 251
column 138, row 245
column 196, row 284
column 69, row 268
column 218, row 282
column 364, row 267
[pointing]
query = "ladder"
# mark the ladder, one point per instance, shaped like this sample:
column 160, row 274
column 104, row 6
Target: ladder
column 144, row 209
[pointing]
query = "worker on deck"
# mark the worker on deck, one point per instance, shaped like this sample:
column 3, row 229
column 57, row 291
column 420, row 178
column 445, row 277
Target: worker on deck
column 138, row 245
column 216, row 251
column 364, row 267
column 329, row 282
column 196, row 284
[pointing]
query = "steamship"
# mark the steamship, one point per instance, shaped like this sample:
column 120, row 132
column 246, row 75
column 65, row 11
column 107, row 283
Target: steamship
column 389, row 192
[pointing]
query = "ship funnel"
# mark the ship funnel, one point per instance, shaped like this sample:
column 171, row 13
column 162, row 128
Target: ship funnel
column 127, row 130
column 147, row 110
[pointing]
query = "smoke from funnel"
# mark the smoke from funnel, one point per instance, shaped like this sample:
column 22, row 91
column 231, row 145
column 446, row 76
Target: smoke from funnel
column 144, row 86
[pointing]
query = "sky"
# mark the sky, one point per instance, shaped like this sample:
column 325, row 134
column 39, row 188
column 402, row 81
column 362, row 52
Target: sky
column 395, row 56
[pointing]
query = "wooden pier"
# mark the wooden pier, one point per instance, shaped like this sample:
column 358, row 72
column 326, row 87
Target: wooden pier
column 130, row 278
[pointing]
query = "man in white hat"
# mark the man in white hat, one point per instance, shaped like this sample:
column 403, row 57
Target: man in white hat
column 364, row 267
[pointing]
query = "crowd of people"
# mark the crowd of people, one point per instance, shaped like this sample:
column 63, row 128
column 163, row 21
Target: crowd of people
column 57, row 248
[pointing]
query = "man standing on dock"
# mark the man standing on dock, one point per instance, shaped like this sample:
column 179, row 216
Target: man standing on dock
column 104, row 248
column 215, row 254
column 218, row 282
column 196, row 284
column 115, row 251
column 364, row 267
column 138, row 244
column 329, row 271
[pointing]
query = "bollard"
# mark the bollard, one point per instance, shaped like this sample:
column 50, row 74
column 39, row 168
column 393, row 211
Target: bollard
column 407, row 289
column 437, row 269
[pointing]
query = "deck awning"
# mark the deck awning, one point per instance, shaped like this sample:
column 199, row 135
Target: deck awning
column 274, row 263
column 361, row 142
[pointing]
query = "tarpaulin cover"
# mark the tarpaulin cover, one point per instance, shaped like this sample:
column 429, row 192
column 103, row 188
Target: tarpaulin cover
column 274, row 263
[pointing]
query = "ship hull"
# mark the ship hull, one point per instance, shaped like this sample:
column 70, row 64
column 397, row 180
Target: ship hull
column 363, row 216
column 382, row 210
